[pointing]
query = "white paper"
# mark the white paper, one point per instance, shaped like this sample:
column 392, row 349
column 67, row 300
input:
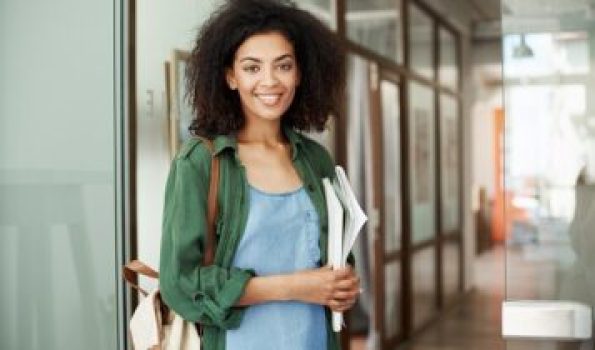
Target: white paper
column 355, row 217
column 345, row 220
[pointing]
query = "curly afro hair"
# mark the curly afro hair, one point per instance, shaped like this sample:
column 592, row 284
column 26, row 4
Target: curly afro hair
column 319, row 53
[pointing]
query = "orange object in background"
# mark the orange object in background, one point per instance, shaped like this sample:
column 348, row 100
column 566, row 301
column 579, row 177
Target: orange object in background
column 504, row 213
column 499, row 231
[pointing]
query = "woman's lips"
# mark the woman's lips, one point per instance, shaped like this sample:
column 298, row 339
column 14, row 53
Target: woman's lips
column 269, row 99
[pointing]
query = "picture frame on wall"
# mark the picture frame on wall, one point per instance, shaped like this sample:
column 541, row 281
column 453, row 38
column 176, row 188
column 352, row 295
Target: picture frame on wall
column 178, row 107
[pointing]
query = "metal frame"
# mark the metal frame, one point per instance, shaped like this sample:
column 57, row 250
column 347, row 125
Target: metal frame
column 128, row 247
column 402, row 74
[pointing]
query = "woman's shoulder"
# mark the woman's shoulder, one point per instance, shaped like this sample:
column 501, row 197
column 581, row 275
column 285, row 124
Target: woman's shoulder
column 318, row 154
column 194, row 151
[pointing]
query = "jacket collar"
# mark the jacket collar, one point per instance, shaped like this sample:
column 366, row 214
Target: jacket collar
column 223, row 142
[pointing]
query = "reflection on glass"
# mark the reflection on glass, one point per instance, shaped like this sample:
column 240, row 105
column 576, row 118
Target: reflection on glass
column 424, row 286
column 377, row 25
column 450, row 270
column 542, row 182
column 421, row 55
column 392, row 165
column 423, row 166
column 449, row 159
column 448, row 71
column 546, row 54
column 58, row 199
column 392, row 290
column 322, row 9
column 549, row 153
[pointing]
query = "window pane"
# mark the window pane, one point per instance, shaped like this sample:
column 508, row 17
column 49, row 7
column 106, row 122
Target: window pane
column 424, row 286
column 546, row 54
column 392, row 296
column 324, row 10
column 547, row 184
column 450, row 270
column 421, row 40
column 392, row 165
column 449, row 70
column 58, row 200
column 377, row 25
column 423, row 166
column 449, row 130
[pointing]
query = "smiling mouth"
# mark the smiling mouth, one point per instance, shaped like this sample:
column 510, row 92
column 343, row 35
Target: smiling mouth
column 269, row 99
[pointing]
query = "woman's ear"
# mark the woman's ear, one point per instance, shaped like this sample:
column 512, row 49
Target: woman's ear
column 231, row 80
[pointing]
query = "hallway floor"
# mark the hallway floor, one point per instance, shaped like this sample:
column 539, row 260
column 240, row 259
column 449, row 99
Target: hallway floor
column 475, row 323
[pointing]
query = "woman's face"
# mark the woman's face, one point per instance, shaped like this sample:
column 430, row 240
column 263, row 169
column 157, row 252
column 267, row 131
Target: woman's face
column 265, row 74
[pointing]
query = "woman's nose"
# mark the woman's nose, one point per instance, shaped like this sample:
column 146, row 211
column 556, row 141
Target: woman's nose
column 269, row 77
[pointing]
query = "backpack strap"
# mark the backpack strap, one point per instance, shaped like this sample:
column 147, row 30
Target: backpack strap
column 134, row 268
column 212, row 208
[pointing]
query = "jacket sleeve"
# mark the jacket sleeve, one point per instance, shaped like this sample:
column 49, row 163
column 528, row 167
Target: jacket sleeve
column 199, row 294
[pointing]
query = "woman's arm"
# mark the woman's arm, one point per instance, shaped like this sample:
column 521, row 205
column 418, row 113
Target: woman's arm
column 337, row 289
column 204, row 294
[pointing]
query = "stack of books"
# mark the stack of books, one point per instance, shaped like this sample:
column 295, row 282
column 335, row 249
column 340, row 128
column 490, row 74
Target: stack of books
column 345, row 219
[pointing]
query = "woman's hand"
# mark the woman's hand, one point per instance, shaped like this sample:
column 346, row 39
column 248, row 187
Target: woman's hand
column 337, row 289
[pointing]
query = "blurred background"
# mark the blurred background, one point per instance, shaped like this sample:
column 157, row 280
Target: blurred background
column 468, row 136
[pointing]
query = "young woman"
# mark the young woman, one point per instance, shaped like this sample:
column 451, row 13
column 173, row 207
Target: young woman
column 260, row 72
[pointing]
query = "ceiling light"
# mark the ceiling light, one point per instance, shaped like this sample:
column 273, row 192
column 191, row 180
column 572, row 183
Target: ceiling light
column 522, row 50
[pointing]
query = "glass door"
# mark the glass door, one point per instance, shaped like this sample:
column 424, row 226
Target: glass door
column 548, row 181
column 61, row 238
column 390, row 253
column 374, row 153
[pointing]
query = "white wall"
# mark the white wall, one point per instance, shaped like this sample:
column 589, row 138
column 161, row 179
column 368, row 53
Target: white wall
column 487, row 97
column 162, row 26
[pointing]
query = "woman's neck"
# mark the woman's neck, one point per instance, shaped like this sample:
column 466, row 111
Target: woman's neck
column 265, row 132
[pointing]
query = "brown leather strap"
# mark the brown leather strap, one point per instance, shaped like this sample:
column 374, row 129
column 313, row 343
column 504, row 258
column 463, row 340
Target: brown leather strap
column 135, row 268
column 212, row 208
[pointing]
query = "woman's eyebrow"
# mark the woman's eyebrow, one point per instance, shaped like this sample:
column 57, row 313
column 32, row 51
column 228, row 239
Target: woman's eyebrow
column 258, row 60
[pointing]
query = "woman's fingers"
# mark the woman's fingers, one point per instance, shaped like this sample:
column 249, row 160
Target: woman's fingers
column 345, row 295
column 345, row 271
column 341, row 305
column 349, row 283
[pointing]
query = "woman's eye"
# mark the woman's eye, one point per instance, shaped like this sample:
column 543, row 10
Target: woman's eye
column 286, row 66
column 251, row 69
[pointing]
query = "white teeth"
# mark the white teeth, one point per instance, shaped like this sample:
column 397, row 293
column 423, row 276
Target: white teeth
column 269, row 99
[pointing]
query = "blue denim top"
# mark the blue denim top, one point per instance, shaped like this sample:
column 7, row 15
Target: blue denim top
column 281, row 237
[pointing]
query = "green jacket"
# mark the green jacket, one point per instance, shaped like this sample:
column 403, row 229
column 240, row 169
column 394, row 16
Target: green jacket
column 208, row 294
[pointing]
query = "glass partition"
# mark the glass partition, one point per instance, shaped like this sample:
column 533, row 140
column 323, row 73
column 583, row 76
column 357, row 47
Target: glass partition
column 376, row 25
column 322, row 9
column 449, row 164
column 421, row 42
column 59, row 130
column 392, row 298
column 392, row 165
column 451, row 262
column 422, row 158
column 549, row 172
column 448, row 70
column 423, row 283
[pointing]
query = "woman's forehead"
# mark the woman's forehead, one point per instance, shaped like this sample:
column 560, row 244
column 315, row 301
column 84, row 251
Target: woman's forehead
column 265, row 46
